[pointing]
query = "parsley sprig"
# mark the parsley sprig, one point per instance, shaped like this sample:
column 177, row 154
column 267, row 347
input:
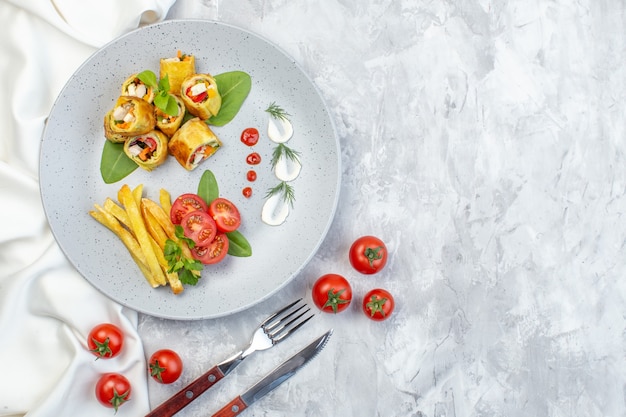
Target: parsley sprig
column 283, row 150
column 277, row 112
column 162, row 98
column 284, row 189
column 186, row 268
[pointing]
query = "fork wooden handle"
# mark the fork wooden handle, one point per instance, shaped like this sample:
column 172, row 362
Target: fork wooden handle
column 232, row 409
column 187, row 394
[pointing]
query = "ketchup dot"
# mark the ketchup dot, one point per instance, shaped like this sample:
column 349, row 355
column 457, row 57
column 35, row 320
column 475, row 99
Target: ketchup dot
column 251, row 175
column 250, row 136
column 253, row 159
column 247, row 192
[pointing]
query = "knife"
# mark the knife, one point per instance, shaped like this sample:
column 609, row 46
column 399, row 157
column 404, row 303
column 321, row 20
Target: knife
column 279, row 375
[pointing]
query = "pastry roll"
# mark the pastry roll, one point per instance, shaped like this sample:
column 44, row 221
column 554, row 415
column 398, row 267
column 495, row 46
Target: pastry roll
column 108, row 133
column 177, row 69
column 132, row 116
column 148, row 150
column 167, row 123
column 200, row 95
column 193, row 142
column 133, row 86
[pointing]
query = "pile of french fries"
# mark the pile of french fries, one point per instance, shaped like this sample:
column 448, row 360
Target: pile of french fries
column 143, row 226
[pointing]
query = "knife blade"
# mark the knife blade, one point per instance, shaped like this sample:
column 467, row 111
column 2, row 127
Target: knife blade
column 272, row 380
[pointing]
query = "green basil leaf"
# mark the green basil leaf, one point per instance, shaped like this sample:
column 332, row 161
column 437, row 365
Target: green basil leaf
column 208, row 189
column 238, row 245
column 148, row 78
column 114, row 164
column 171, row 107
column 164, row 83
column 234, row 87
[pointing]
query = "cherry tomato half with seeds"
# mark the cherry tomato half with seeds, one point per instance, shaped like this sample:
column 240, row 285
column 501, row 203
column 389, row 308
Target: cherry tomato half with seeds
column 225, row 214
column 113, row 390
column 378, row 304
column 213, row 252
column 331, row 293
column 165, row 366
column 105, row 340
column 200, row 227
column 368, row 254
column 185, row 204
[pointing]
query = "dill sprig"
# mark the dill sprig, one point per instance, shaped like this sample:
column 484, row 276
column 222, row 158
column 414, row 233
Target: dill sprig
column 277, row 112
column 283, row 150
column 285, row 190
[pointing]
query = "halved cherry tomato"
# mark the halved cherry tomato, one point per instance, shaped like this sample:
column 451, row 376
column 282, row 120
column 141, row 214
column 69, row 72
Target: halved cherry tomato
column 200, row 227
column 225, row 214
column 331, row 293
column 113, row 390
column 165, row 366
column 214, row 252
column 184, row 204
column 105, row 340
column 368, row 254
column 378, row 304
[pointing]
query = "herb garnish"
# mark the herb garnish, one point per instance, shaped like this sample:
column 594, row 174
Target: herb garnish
column 162, row 98
column 283, row 150
column 277, row 112
column 285, row 190
column 185, row 267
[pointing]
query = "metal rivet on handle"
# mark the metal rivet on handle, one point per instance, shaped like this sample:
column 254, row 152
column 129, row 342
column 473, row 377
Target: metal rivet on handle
column 189, row 394
column 211, row 378
column 235, row 408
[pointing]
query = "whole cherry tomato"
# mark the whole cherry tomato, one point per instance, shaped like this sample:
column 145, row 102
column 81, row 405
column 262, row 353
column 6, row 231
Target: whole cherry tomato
column 378, row 304
column 368, row 254
column 332, row 293
column 165, row 366
column 113, row 390
column 105, row 340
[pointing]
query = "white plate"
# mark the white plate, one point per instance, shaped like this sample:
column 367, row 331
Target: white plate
column 71, row 182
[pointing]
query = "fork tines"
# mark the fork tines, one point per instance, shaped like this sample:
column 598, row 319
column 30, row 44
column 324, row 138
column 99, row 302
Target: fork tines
column 287, row 320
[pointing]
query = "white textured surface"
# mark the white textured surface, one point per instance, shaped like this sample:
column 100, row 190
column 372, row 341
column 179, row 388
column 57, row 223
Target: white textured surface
column 484, row 141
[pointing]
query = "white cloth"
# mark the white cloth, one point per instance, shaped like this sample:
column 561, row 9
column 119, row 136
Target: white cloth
column 46, row 308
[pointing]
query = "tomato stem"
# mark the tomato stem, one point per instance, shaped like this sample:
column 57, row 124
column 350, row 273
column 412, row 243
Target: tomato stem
column 373, row 254
column 334, row 299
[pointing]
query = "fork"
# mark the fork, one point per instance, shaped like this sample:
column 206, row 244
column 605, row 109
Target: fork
column 276, row 328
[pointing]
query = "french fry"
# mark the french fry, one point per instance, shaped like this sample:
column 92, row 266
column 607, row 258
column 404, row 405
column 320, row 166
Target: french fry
column 118, row 212
column 110, row 222
column 138, row 194
column 153, row 226
column 172, row 277
column 166, row 201
column 165, row 222
column 138, row 227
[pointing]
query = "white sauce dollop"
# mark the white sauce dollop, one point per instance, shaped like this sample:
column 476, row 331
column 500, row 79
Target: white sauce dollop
column 275, row 210
column 287, row 169
column 279, row 130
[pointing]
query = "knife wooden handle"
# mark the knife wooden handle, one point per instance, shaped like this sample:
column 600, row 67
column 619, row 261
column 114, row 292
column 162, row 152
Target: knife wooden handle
column 232, row 409
column 187, row 394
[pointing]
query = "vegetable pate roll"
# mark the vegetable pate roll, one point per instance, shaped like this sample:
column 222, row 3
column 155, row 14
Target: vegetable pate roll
column 193, row 142
column 177, row 69
column 132, row 116
column 148, row 150
column 133, row 86
column 108, row 133
column 169, row 124
column 200, row 95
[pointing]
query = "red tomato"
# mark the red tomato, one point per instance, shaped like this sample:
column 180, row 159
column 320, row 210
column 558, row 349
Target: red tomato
column 332, row 293
column 250, row 136
column 105, row 340
column 185, row 204
column 212, row 253
column 113, row 390
column 253, row 159
column 378, row 304
column 200, row 227
column 368, row 254
column 225, row 214
column 165, row 366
